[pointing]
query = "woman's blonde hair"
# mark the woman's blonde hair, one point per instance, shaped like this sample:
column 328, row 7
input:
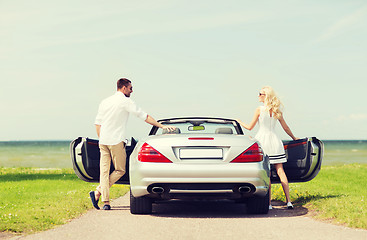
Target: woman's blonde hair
column 272, row 102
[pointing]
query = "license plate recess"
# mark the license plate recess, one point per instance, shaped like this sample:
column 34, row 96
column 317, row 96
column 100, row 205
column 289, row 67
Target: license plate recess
column 201, row 153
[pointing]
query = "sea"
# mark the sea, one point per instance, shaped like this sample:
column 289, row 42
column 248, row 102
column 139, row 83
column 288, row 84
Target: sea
column 56, row 154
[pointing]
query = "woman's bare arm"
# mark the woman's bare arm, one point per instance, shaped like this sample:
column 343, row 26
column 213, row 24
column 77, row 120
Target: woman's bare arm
column 253, row 122
column 286, row 127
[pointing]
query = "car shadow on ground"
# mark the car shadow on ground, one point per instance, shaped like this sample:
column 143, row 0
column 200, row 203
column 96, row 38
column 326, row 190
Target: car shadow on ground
column 220, row 209
column 113, row 208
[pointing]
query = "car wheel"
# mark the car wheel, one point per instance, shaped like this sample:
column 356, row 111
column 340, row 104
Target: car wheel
column 258, row 205
column 140, row 205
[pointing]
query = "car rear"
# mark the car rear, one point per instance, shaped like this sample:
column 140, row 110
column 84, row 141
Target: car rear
column 199, row 166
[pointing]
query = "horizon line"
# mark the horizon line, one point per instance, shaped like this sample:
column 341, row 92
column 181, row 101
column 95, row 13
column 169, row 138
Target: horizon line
column 65, row 140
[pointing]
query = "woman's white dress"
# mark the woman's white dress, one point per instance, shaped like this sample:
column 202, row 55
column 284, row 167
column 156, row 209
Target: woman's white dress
column 270, row 142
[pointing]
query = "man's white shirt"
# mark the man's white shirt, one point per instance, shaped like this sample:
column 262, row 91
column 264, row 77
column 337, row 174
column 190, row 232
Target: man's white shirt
column 113, row 113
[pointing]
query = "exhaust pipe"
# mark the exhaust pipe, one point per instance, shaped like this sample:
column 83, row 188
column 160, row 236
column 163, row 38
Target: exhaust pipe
column 244, row 189
column 157, row 190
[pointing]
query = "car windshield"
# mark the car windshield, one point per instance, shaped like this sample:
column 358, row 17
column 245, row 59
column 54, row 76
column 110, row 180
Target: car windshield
column 201, row 127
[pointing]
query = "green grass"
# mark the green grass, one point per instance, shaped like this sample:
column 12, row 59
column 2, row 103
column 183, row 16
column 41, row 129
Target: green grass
column 338, row 194
column 34, row 200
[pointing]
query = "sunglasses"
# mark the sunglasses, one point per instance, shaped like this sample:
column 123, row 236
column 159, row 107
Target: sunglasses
column 262, row 94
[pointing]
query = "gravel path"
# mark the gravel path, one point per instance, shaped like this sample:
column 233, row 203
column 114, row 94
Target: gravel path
column 195, row 220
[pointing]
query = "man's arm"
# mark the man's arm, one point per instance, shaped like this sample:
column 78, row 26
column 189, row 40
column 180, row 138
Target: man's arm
column 98, row 129
column 153, row 122
column 132, row 108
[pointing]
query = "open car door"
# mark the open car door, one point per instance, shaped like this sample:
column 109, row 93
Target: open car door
column 85, row 156
column 304, row 158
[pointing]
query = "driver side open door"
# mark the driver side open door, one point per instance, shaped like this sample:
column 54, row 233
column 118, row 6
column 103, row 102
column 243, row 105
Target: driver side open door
column 85, row 156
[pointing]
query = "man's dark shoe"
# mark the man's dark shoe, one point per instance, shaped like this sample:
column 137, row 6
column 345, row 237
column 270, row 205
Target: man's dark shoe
column 106, row 207
column 93, row 199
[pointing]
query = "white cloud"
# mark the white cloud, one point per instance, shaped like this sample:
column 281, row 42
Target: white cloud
column 352, row 117
column 157, row 27
column 67, row 26
column 343, row 24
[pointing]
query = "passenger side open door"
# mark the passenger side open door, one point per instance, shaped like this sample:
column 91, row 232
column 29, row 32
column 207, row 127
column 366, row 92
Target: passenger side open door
column 304, row 158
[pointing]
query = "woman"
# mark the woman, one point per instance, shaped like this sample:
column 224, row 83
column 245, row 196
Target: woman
column 267, row 116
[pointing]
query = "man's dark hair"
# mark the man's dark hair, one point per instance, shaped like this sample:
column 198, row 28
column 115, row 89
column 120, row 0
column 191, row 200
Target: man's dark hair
column 123, row 82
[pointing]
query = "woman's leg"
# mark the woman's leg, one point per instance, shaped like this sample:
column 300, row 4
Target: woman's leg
column 283, row 180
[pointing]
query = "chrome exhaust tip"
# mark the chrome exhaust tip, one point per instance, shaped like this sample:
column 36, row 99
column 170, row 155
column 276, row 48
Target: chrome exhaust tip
column 244, row 189
column 157, row 190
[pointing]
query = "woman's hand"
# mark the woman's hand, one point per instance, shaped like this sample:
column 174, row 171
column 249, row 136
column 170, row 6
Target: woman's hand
column 253, row 122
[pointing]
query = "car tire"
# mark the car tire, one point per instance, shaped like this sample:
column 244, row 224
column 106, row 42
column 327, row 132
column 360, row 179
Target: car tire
column 258, row 205
column 140, row 205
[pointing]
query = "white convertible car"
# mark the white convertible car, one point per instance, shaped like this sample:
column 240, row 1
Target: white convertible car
column 204, row 158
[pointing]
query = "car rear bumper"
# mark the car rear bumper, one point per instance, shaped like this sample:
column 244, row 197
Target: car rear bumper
column 180, row 181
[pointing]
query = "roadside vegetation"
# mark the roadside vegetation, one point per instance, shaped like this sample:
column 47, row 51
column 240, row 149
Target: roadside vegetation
column 34, row 200
column 338, row 194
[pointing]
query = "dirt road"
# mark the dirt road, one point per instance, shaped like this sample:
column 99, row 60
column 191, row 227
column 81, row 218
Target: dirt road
column 196, row 220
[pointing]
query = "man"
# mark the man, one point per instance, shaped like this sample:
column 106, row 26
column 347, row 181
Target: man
column 110, row 124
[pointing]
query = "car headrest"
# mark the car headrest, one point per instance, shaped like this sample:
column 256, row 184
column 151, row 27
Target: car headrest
column 224, row 131
column 176, row 131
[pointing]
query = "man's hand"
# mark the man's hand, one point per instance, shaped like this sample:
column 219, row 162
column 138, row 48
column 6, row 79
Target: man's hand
column 153, row 122
column 168, row 128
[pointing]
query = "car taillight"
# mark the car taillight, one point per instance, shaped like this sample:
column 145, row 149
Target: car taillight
column 148, row 154
column 252, row 154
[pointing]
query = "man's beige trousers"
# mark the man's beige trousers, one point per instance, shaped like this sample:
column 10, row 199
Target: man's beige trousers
column 117, row 155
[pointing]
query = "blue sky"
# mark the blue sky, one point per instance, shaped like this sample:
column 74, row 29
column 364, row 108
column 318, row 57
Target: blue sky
column 59, row 59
